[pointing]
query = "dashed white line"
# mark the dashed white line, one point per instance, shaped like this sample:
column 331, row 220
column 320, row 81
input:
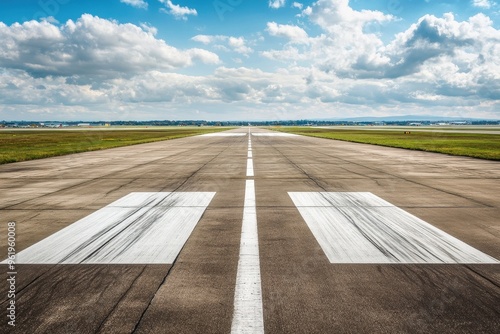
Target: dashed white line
column 248, row 313
column 250, row 172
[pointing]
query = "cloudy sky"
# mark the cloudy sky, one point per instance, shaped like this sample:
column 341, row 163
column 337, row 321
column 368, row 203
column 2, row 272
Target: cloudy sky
column 248, row 59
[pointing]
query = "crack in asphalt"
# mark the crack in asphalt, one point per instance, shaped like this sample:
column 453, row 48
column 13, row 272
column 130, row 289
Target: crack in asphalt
column 121, row 299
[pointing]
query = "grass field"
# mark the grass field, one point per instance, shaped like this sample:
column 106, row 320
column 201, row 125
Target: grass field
column 484, row 146
column 22, row 145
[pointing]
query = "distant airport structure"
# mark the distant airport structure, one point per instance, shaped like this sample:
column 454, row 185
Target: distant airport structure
column 360, row 121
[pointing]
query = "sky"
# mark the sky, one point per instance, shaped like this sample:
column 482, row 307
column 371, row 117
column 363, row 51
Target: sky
column 248, row 59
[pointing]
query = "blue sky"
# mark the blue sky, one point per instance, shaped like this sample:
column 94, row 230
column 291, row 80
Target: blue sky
column 242, row 59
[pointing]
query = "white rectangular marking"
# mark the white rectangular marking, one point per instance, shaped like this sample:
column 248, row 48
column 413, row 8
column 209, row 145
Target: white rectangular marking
column 363, row 228
column 142, row 228
column 249, row 153
column 250, row 167
column 248, row 314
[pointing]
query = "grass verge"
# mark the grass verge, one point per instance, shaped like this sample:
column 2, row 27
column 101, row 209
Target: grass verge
column 483, row 146
column 23, row 145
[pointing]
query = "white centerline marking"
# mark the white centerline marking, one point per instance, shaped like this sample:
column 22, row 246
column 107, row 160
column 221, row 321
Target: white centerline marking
column 250, row 172
column 363, row 228
column 140, row 228
column 248, row 313
column 250, row 168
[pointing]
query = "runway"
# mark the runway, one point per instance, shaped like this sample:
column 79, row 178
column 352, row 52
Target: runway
column 251, row 231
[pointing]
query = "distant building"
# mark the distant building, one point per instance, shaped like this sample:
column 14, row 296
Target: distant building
column 83, row 124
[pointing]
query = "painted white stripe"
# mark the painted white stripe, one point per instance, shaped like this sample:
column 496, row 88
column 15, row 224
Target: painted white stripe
column 248, row 314
column 363, row 228
column 143, row 228
column 250, row 172
column 224, row 134
column 271, row 134
column 249, row 153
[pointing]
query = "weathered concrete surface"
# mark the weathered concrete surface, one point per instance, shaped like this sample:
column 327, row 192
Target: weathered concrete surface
column 302, row 291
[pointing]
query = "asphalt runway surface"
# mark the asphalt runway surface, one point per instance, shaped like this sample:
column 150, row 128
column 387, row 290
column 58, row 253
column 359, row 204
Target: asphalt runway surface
column 253, row 233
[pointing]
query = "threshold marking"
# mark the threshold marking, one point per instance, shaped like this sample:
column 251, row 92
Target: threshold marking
column 363, row 228
column 140, row 228
column 248, row 314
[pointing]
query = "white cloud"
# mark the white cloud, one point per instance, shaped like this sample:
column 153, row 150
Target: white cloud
column 99, row 69
column 236, row 44
column 346, row 50
column 438, row 60
column 277, row 3
column 444, row 40
column 207, row 39
column 289, row 53
column 91, row 46
column 228, row 93
column 486, row 4
column 297, row 5
column 178, row 11
column 307, row 11
column 294, row 33
column 343, row 43
column 136, row 3
column 419, row 95
column 336, row 15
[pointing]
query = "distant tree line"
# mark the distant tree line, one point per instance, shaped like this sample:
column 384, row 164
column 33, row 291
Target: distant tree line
column 305, row 122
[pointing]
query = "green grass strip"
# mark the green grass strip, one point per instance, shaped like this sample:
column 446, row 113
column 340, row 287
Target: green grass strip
column 483, row 146
column 23, row 145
